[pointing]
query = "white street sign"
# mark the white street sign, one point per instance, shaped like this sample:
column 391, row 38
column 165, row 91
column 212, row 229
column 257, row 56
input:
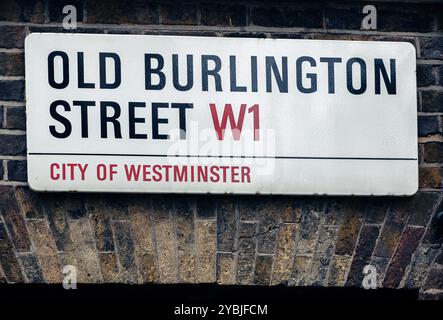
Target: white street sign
column 129, row 113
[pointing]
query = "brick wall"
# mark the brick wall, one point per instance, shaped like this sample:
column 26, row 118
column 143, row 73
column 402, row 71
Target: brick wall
column 263, row 240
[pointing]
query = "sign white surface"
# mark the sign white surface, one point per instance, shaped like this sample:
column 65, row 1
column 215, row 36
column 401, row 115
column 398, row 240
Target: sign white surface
column 127, row 113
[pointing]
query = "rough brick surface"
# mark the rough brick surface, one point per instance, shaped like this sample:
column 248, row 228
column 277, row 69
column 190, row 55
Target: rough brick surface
column 225, row 239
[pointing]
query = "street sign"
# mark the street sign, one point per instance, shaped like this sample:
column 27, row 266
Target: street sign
column 139, row 113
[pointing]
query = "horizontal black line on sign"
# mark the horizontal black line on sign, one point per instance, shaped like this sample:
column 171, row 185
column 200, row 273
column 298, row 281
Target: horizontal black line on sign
column 211, row 156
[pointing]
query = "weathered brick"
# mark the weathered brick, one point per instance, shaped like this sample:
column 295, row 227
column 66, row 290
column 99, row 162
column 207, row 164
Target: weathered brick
column 12, row 90
column 246, row 248
column 117, row 207
column 178, row 13
column 269, row 220
column 440, row 75
column 55, row 206
column 343, row 18
column 12, row 144
column 396, row 219
column 161, row 208
column 55, row 9
column 13, row 219
column 323, row 254
column 423, row 204
column 284, row 255
column 250, row 207
column 8, row 260
column 434, row 233
column 17, row 170
column 433, row 152
column 2, row 275
column 12, row 37
column 309, row 226
column 434, row 279
column 122, row 12
column 206, row 246
column 426, row 75
column 430, row 177
column 431, row 48
column 432, row 101
column 46, row 250
column 347, row 236
column 109, row 266
column 81, row 252
column 332, row 211
column 422, row 259
column 25, row 11
column 376, row 210
column 301, row 269
column 416, row 18
column 287, row 17
column 362, row 255
column 124, row 244
column 30, row 203
column 407, row 245
column 439, row 258
column 263, row 269
column 428, row 125
column 381, row 265
column 338, row 269
column 12, row 64
column 142, row 231
column 15, row 118
column 226, row 268
column 213, row 14
column 206, row 206
column 100, row 223
column 31, row 267
column 226, row 226
column 184, row 224
column 167, row 251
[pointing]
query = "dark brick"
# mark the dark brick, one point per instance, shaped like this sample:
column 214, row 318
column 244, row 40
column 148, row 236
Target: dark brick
column 250, row 207
column 8, row 260
column 333, row 208
column 421, row 260
column 226, row 225
column 430, row 177
column 246, row 252
column 12, row 144
column 17, row 170
column 13, row 219
column 122, row 12
column 55, row 8
column 178, row 13
column 223, row 15
column 396, row 219
column 12, row 64
column 287, row 17
column 2, row 172
column 439, row 258
column 206, row 206
column 376, row 210
column 124, row 244
column 440, row 75
column 12, row 90
column 434, row 279
column 263, row 270
column 15, row 118
column 428, row 125
column 22, row 10
column 309, row 226
column 433, row 152
column 426, row 75
column 161, row 208
column 434, row 233
column 12, row 37
column 414, row 18
column 362, row 256
column 31, row 267
column 258, row 35
column 408, row 243
column 75, row 207
column 269, row 221
column 431, row 48
column 30, row 203
column 323, row 254
column 2, row 110
column 343, row 18
column 51, row 29
column 422, row 208
column 432, row 101
column 117, row 207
